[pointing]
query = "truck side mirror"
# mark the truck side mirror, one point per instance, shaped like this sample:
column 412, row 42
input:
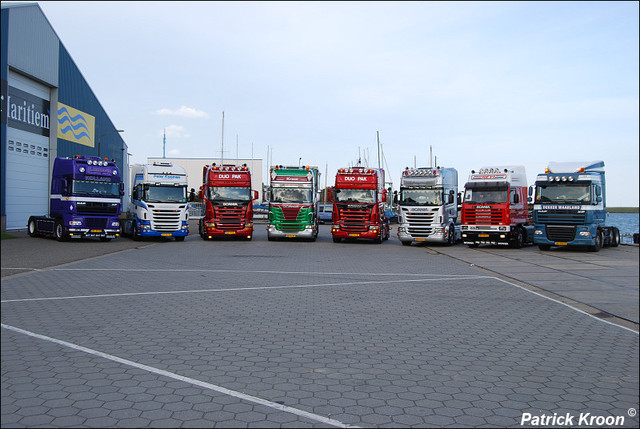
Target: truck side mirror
column 384, row 196
column 530, row 191
column 516, row 198
column 134, row 194
column 332, row 194
column 254, row 194
column 452, row 197
column 65, row 187
column 121, row 188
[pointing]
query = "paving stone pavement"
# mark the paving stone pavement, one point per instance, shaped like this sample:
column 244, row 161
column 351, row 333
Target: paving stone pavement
column 293, row 334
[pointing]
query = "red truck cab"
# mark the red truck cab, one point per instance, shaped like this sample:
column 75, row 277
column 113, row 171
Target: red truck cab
column 228, row 202
column 358, row 205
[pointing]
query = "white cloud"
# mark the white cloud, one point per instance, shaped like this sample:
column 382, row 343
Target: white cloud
column 183, row 111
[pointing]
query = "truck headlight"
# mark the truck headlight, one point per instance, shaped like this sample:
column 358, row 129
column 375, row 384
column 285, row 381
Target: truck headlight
column 116, row 223
column 585, row 234
column 538, row 232
column 75, row 223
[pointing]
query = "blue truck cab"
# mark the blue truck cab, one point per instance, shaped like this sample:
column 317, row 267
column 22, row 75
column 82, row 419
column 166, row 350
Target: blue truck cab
column 84, row 200
column 569, row 207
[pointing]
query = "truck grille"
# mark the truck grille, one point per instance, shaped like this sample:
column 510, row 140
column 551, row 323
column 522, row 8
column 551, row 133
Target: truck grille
column 287, row 219
column 473, row 216
column 165, row 220
column 95, row 222
column 355, row 220
column 561, row 232
column 420, row 223
column 97, row 208
column 230, row 218
column 562, row 217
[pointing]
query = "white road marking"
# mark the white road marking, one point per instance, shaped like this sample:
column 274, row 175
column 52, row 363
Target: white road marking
column 234, row 289
column 209, row 386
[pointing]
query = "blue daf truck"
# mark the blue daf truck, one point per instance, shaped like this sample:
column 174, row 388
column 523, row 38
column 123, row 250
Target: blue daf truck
column 570, row 207
column 84, row 201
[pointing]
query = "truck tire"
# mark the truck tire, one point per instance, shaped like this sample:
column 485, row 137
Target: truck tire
column 598, row 245
column 615, row 237
column 32, row 228
column 134, row 232
column 544, row 246
column 179, row 238
column 451, row 236
column 61, row 235
column 518, row 240
column 337, row 240
column 406, row 243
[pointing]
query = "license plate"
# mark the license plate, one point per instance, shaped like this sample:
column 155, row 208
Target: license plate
column 166, row 234
column 96, row 230
column 291, row 236
column 483, row 235
column 354, row 235
column 421, row 239
column 229, row 232
column 561, row 243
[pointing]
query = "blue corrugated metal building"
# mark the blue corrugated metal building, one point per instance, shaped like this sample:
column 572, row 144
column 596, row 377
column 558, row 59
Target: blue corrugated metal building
column 48, row 110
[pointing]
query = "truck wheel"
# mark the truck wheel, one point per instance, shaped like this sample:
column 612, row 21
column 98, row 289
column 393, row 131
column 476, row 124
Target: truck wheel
column 518, row 240
column 544, row 246
column 451, row 236
column 61, row 235
column 615, row 237
column 336, row 240
column 598, row 245
column 406, row 243
column 179, row 238
column 134, row 232
column 32, row 228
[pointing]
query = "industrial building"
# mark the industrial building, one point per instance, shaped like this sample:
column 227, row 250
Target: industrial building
column 48, row 111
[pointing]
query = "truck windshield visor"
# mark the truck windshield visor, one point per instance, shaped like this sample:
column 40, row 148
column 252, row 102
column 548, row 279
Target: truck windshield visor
column 165, row 194
column 421, row 197
column 486, row 195
column 229, row 193
column 291, row 195
column 365, row 196
column 563, row 193
column 96, row 189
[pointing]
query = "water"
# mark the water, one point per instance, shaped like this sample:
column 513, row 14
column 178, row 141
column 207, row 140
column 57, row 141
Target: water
column 627, row 223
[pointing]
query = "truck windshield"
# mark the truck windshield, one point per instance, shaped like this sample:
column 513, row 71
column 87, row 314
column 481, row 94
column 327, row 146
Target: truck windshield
column 367, row 196
column 97, row 189
column 291, row 195
column 421, row 197
column 229, row 193
column 165, row 194
column 563, row 193
column 486, row 195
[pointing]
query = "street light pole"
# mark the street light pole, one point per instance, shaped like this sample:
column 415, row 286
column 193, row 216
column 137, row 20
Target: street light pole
column 105, row 134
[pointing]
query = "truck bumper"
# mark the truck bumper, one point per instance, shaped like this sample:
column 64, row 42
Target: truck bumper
column 153, row 233
column 93, row 233
column 371, row 234
column 485, row 237
column 215, row 232
column 309, row 232
column 584, row 236
column 432, row 235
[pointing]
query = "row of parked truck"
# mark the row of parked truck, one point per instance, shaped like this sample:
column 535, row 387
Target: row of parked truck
column 567, row 206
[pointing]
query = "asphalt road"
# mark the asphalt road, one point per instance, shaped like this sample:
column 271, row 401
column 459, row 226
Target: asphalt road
column 295, row 334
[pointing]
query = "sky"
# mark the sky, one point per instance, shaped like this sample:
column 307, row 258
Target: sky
column 456, row 84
